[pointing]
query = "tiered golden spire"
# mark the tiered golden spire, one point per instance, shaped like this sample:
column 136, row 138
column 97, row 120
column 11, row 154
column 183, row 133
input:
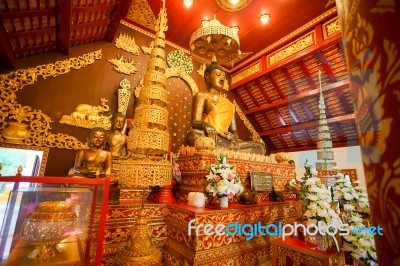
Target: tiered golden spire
column 149, row 137
column 325, row 148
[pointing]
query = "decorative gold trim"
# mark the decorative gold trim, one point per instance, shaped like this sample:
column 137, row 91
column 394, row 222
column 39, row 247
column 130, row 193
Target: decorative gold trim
column 293, row 48
column 237, row 58
column 331, row 27
column 39, row 123
column 247, row 72
column 254, row 135
column 127, row 43
column 287, row 37
column 122, row 65
column 140, row 12
column 87, row 116
column 31, row 148
column 124, row 95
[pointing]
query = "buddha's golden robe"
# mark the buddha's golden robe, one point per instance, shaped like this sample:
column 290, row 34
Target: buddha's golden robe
column 221, row 117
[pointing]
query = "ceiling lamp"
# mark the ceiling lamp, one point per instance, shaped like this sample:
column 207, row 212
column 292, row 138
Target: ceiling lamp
column 264, row 18
column 213, row 38
column 188, row 3
column 233, row 5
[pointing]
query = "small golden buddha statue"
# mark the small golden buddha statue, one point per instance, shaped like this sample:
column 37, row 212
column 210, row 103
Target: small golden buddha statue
column 97, row 162
column 94, row 161
column 213, row 115
column 116, row 140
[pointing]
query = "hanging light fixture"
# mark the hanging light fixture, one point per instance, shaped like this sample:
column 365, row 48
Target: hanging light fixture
column 213, row 38
column 188, row 3
column 264, row 18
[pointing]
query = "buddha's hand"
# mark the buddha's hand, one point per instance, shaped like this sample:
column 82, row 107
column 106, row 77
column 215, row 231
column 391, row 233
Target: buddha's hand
column 230, row 136
column 210, row 131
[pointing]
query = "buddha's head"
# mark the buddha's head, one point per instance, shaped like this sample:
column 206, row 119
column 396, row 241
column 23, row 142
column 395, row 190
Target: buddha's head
column 214, row 76
column 118, row 121
column 97, row 137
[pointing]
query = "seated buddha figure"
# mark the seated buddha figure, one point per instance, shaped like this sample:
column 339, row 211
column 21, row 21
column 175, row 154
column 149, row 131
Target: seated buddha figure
column 213, row 115
column 94, row 161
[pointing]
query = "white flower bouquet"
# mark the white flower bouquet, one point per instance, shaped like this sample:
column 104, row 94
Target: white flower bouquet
column 222, row 180
column 359, row 244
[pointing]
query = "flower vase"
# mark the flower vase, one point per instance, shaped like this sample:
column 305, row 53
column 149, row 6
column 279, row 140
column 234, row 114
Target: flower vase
column 321, row 241
column 223, row 202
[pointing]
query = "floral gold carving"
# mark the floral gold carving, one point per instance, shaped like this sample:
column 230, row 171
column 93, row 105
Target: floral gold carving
column 141, row 13
column 293, row 48
column 147, row 50
column 247, row 72
column 88, row 116
column 123, row 65
column 124, row 95
column 331, row 27
column 127, row 43
column 39, row 123
column 254, row 134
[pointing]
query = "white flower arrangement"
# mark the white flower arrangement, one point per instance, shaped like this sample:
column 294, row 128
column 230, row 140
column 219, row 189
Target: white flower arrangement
column 360, row 244
column 362, row 205
column 344, row 191
column 222, row 180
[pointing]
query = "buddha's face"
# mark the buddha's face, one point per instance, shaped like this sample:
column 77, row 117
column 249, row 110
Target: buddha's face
column 97, row 138
column 118, row 122
column 217, row 79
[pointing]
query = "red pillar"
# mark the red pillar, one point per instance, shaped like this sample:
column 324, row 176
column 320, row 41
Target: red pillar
column 371, row 35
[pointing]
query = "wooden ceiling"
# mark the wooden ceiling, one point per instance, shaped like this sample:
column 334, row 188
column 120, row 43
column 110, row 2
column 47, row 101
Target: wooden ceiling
column 281, row 103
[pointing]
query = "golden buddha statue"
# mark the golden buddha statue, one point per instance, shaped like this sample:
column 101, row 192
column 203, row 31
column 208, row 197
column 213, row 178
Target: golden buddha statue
column 213, row 115
column 116, row 140
column 94, row 161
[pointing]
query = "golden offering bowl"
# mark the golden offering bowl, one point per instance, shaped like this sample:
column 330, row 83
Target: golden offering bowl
column 48, row 224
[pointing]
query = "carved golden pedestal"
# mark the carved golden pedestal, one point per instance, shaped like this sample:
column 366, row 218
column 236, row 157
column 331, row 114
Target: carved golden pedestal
column 180, row 248
column 297, row 252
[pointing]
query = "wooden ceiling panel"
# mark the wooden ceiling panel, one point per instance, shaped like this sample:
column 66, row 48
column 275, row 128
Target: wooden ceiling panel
column 299, row 111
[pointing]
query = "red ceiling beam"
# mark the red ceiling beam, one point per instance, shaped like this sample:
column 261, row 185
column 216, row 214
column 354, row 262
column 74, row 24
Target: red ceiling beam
column 293, row 114
column 276, row 87
column 327, row 67
column 79, row 9
column 25, row 34
column 91, row 24
column 307, row 75
column 89, row 37
column 35, row 48
column 292, row 59
column 263, row 92
column 27, row 14
column 280, row 118
column 120, row 12
column 296, row 143
column 307, row 136
column 64, row 39
column 306, row 125
column 290, row 81
column 286, row 101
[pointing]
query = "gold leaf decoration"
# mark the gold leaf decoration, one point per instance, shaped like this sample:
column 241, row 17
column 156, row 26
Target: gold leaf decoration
column 122, row 65
column 39, row 123
column 127, row 43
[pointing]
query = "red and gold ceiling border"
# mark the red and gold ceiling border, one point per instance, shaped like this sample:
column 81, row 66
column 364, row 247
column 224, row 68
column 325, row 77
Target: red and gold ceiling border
column 331, row 27
column 291, row 35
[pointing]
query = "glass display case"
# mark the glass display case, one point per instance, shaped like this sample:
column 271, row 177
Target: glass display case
column 54, row 221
